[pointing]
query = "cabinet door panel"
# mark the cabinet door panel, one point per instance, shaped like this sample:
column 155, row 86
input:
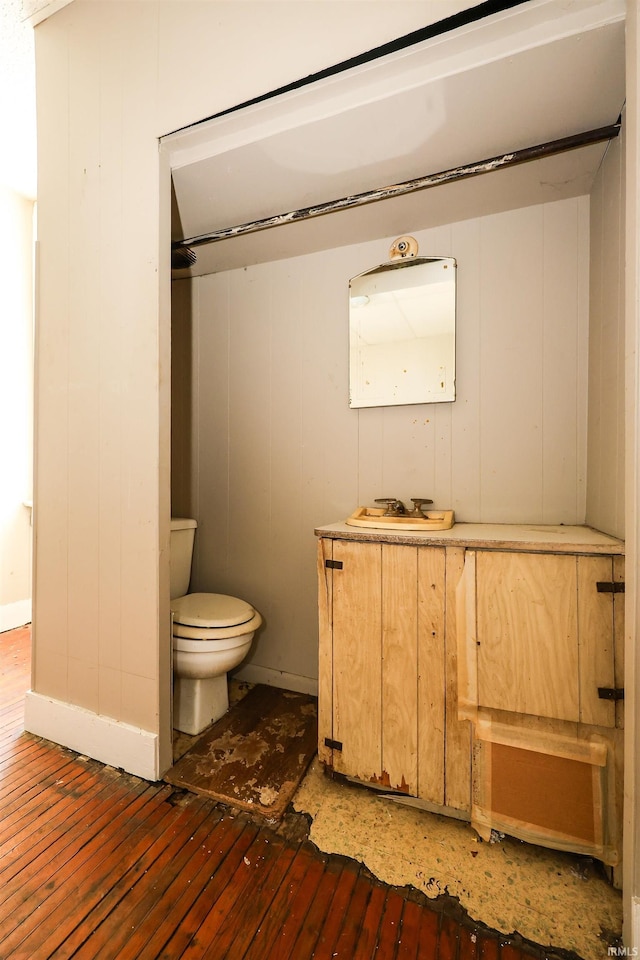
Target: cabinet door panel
column 457, row 731
column 527, row 634
column 399, row 672
column 431, row 674
column 357, row 659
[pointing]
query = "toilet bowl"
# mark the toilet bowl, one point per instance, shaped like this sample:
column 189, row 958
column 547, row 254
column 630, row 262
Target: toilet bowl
column 211, row 634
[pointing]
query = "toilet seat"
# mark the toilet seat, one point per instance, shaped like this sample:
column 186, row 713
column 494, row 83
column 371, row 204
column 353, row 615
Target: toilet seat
column 207, row 610
column 202, row 617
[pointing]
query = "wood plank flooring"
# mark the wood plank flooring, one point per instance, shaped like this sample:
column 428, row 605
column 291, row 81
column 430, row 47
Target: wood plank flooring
column 95, row 863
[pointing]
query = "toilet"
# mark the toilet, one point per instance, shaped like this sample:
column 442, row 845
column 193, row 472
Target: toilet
column 212, row 634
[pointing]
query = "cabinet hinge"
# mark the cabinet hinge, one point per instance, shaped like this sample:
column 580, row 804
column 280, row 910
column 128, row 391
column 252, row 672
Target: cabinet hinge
column 609, row 587
column 611, row 693
column 333, row 564
column 332, row 744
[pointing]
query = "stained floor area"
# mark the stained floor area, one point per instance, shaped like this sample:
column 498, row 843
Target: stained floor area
column 255, row 756
column 549, row 897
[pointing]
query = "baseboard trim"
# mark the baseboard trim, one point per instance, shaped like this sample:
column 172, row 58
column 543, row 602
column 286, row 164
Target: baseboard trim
column 253, row 673
column 14, row 615
column 101, row 738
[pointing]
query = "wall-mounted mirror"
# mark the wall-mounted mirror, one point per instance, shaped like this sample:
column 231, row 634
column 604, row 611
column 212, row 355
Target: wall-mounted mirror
column 402, row 325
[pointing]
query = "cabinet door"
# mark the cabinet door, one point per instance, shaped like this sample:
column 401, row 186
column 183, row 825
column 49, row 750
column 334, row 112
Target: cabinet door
column 413, row 671
column 399, row 715
column 527, row 633
column 357, row 659
column 544, row 635
column 386, row 622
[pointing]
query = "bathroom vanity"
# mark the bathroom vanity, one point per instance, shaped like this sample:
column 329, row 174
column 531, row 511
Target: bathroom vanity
column 477, row 672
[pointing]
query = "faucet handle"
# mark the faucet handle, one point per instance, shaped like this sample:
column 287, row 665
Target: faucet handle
column 417, row 506
column 394, row 506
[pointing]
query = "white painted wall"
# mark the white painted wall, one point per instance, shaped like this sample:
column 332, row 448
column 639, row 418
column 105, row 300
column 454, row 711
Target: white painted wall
column 16, row 404
column 111, row 79
column 606, row 442
column 267, row 448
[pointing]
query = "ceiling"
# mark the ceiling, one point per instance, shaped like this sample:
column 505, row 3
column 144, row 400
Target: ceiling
column 547, row 69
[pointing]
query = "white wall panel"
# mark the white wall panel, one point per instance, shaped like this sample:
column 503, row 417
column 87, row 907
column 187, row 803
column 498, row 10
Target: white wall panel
column 270, row 397
column 511, row 374
column 83, row 423
column 50, row 592
column 466, row 436
column 605, row 497
column 100, row 392
column 565, row 345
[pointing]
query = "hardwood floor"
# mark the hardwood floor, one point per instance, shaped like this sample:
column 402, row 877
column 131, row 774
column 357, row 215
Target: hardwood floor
column 95, row 863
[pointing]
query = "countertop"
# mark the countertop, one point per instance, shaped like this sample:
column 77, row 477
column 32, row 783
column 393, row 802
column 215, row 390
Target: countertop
column 491, row 536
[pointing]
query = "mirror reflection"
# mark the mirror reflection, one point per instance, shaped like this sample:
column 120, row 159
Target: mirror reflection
column 402, row 333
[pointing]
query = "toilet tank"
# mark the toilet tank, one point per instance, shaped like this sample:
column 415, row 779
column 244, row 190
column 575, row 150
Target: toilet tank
column 183, row 532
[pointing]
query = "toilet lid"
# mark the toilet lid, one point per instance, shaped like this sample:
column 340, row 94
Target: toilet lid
column 210, row 610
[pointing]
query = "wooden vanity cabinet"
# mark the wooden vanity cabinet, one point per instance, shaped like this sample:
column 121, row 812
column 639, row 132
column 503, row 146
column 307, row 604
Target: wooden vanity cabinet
column 387, row 684
column 480, row 672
